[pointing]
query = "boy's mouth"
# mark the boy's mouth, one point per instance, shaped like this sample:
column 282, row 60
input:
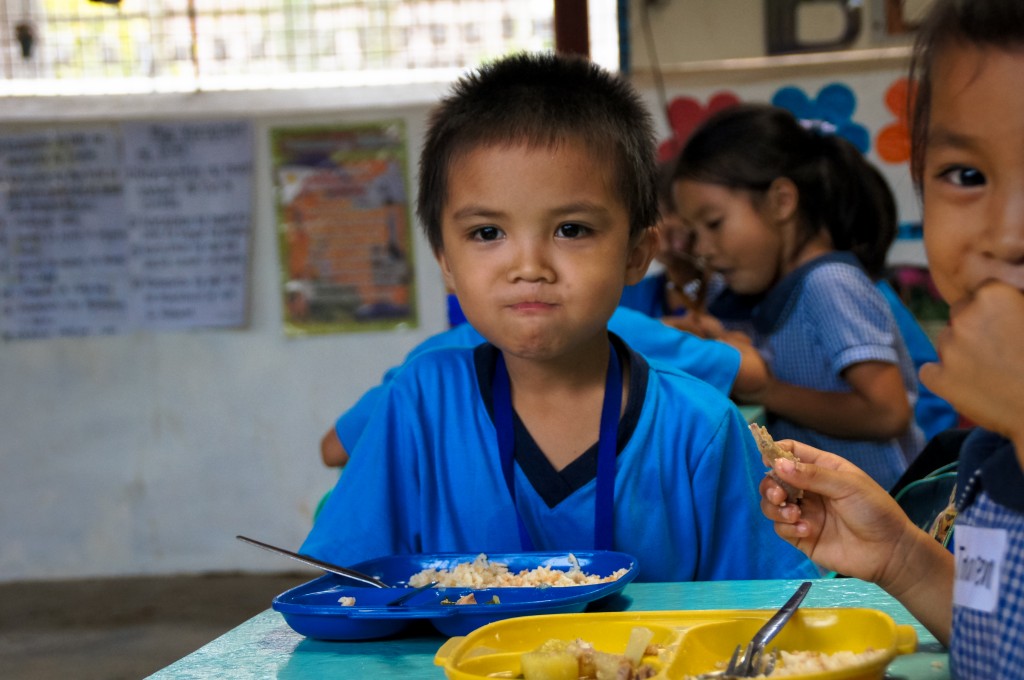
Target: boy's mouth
column 531, row 306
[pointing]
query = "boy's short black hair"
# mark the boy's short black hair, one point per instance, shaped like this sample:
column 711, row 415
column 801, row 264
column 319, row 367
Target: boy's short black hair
column 541, row 100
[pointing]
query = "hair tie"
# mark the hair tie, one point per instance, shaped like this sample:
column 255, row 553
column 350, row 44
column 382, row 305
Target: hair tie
column 819, row 127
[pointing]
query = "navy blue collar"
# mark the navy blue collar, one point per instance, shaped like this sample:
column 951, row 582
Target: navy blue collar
column 778, row 302
column 989, row 461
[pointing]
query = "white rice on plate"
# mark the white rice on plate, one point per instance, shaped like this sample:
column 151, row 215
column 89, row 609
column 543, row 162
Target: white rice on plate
column 483, row 573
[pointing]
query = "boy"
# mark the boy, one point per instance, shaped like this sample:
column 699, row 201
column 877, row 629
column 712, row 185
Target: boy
column 537, row 193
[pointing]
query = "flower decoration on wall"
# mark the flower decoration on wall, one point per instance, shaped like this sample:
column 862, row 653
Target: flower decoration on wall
column 685, row 114
column 831, row 112
column 893, row 141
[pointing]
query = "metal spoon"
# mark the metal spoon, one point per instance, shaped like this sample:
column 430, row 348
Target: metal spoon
column 319, row 564
column 746, row 665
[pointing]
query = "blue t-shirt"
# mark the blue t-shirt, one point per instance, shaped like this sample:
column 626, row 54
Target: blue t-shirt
column 426, row 477
column 820, row 319
column 987, row 631
column 713, row 362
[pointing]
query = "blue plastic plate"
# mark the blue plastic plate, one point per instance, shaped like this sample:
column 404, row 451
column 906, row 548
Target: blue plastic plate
column 312, row 609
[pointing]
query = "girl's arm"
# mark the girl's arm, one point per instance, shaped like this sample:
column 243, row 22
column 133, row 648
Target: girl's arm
column 848, row 523
column 876, row 408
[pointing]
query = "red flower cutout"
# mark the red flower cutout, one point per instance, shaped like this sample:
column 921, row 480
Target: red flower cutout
column 893, row 141
column 685, row 114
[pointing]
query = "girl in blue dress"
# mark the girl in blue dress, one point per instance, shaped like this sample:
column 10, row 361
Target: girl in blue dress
column 796, row 221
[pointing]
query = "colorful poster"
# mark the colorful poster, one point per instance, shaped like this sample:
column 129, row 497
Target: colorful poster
column 344, row 228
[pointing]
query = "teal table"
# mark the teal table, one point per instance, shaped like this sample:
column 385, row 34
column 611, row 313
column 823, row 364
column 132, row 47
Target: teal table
column 265, row 647
column 753, row 414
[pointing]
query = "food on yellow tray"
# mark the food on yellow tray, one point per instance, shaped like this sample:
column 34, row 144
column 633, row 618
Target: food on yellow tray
column 772, row 451
column 550, row 664
column 804, row 662
column 578, row 660
column 482, row 573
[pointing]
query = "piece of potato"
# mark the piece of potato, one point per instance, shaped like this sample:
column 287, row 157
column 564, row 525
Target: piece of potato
column 611, row 666
column 549, row 665
column 639, row 638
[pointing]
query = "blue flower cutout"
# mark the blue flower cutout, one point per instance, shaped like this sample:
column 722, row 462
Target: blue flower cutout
column 831, row 112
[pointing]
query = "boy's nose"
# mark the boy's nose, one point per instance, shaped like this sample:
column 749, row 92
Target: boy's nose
column 1005, row 235
column 531, row 263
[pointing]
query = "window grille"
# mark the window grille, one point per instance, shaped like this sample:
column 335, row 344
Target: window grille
column 154, row 45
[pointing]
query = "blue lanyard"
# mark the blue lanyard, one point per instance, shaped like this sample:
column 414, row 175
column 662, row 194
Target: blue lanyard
column 604, row 504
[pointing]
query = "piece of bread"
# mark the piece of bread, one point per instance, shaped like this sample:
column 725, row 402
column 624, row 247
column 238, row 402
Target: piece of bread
column 772, row 451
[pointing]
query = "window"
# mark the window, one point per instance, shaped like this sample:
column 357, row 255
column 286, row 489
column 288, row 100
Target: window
column 75, row 46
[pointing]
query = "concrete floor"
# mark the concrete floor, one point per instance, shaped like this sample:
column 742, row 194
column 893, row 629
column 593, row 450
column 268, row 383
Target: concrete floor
column 124, row 628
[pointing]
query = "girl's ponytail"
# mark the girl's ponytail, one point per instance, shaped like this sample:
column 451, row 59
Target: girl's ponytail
column 858, row 207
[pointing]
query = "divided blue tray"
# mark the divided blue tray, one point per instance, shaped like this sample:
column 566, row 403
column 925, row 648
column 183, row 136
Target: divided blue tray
column 312, row 609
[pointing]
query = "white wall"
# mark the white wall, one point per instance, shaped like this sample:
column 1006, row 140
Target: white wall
column 148, row 453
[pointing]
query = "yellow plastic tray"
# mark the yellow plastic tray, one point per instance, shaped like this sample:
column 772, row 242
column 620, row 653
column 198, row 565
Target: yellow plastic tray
column 695, row 641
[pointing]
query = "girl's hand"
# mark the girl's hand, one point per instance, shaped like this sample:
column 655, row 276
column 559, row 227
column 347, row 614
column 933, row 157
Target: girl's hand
column 981, row 360
column 845, row 522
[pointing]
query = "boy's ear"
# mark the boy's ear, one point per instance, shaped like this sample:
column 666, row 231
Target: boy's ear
column 446, row 271
column 643, row 247
column 783, row 199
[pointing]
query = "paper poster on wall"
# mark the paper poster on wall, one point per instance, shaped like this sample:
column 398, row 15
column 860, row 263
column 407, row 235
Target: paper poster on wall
column 188, row 195
column 344, row 228
column 63, row 243
column 114, row 229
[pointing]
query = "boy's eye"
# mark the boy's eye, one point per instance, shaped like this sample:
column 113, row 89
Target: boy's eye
column 488, row 233
column 571, row 230
column 963, row 176
column 713, row 225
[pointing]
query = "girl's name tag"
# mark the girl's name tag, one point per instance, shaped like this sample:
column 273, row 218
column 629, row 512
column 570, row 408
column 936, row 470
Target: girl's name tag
column 979, row 560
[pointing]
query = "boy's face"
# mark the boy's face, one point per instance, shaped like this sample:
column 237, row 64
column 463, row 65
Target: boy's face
column 537, row 246
column 973, row 179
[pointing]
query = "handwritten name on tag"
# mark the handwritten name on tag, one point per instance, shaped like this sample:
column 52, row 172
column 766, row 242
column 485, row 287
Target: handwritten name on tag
column 979, row 560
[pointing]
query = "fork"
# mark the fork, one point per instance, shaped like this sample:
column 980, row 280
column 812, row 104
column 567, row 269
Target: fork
column 751, row 662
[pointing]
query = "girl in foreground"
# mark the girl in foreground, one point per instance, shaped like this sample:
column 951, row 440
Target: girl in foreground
column 968, row 141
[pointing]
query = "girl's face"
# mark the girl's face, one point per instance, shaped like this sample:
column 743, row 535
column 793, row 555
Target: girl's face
column 537, row 247
column 734, row 235
column 973, row 179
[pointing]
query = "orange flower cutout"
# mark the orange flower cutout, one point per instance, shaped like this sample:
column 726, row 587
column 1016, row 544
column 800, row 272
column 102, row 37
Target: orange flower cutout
column 893, row 141
column 685, row 114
